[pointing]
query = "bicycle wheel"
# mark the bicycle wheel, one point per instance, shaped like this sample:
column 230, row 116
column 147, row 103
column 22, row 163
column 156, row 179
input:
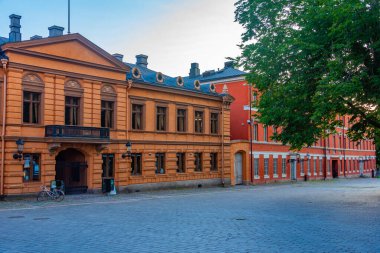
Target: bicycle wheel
column 60, row 195
column 42, row 196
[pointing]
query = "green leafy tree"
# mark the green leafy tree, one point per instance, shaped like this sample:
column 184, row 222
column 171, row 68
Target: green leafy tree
column 313, row 60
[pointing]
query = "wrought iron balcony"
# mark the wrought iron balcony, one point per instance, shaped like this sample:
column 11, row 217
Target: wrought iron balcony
column 59, row 131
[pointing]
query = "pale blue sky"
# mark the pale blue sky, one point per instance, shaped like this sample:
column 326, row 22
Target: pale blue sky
column 173, row 33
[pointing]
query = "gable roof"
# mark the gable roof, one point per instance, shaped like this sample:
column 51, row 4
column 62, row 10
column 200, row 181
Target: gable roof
column 28, row 45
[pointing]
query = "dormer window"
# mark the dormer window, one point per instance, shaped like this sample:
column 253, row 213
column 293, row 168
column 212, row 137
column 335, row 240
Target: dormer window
column 197, row 85
column 136, row 73
column 159, row 77
column 212, row 88
column 180, row 81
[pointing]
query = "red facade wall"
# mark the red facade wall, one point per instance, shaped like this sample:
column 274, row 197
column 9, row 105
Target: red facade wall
column 240, row 91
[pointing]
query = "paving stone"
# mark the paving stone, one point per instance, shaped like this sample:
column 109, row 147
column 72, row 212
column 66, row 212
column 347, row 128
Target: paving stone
column 333, row 216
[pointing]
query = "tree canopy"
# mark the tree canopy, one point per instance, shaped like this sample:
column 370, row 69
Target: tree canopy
column 311, row 61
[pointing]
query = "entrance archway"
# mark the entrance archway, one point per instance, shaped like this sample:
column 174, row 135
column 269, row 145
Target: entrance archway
column 71, row 167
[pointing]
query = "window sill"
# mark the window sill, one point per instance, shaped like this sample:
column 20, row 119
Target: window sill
column 302, row 174
column 256, row 177
column 275, row 176
column 214, row 171
column 31, row 182
column 182, row 173
column 283, row 175
column 137, row 130
column 266, row 176
column 136, row 175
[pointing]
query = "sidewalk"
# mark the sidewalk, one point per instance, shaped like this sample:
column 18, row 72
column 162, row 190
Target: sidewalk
column 30, row 202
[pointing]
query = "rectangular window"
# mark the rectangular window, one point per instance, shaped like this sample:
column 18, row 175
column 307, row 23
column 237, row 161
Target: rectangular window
column 275, row 164
column 284, row 166
column 302, row 167
column 72, row 110
column 265, row 133
column 181, row 120
column 181, row 161
column 137, row 117
column 255, row 132
column 198, row 162
column 308, row 167
column 198, row 122
column 256, row 166
column 107, row 114
column 32, row 167
column 214, row 123
column 161, row 119
column 320, row 167
column 266, row 166
column 214, row 161
column 136, row 164
column 31, row 107
column 108, row 165
column 160, row 163
column 315, row 166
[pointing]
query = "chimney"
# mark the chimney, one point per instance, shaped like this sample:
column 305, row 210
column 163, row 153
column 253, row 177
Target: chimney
column 118, row 57
column 15, row 35
column 36, row 37
column 228, row 64
column 142, row 60
column 194, row 70
column 55, row 31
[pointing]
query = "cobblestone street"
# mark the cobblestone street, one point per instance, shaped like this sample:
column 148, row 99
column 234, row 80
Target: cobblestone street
column 332, row 216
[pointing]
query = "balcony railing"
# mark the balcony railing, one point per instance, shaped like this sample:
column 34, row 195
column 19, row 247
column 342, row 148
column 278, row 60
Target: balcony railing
column 59, row 131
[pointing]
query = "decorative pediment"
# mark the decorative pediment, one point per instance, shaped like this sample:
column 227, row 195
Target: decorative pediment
column 32, row 78
column 73, row 48
column 108, row 89
column 72, row 85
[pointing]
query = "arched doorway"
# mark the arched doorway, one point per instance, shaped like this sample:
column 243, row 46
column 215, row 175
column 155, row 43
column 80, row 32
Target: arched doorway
column 71, row 167
column 238, row 168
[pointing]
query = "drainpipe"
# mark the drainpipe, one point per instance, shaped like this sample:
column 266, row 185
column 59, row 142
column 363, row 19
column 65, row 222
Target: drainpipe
column 4, row 63
column 129, row 86
column 223, row 143
column 344, row 147
column 325, row 154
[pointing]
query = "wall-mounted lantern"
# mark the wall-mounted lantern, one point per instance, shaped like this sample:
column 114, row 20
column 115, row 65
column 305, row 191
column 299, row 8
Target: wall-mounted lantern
column 294, row 157
column 129, row 149
column 20, row 149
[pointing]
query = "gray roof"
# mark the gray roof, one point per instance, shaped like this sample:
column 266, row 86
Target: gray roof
column 224, row 73
column 148, row 77
column 3, row 40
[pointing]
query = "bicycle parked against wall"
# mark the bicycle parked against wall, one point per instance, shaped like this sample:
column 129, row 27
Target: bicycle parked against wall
column 46, row 194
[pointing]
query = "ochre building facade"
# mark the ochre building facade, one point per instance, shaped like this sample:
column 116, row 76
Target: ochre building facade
column 75, row 113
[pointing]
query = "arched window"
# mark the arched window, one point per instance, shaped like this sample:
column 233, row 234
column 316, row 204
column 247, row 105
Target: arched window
column 73, row 97
column 108, row 97
column 33, row 88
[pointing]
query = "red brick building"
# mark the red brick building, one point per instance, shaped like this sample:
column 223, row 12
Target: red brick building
column 259, row 159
